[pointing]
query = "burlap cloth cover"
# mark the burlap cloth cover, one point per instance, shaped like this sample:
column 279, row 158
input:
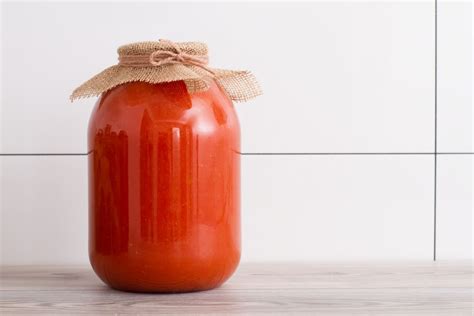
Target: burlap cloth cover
column 165, row 61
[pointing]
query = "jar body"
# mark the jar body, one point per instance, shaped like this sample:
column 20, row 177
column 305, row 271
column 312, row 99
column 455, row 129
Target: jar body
column 164, row 188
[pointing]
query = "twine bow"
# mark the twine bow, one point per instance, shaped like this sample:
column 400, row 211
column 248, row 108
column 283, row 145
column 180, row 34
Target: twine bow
column 152, row 62
column 163, row 57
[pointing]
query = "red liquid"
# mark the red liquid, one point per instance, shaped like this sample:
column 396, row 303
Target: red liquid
column 164, row 188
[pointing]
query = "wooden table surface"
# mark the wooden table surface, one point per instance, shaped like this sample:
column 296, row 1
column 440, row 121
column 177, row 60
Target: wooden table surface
column 402, row 289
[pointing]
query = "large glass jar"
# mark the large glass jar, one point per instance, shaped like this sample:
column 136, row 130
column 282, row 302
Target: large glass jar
column 164, row 188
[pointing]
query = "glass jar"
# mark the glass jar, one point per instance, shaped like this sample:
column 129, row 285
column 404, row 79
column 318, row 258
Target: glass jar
column 164, row 188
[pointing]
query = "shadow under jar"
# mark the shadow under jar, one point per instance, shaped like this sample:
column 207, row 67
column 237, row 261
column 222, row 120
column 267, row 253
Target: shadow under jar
column 164, row 188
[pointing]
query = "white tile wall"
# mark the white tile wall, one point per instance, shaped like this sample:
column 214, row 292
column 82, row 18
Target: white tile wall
column 338, row 76
column 323, row 208
column 455, row 114
column 44, row 210
column 360, row 79
column 455, row 207
column 455, row 131
column 332, row 208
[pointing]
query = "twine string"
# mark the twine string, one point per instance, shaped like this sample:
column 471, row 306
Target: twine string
column 153, row 62
column 165, row 57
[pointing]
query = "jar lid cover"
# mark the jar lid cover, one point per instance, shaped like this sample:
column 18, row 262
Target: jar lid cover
column 166, row 61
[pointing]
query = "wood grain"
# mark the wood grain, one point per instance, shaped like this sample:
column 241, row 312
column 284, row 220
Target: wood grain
column 402, row 289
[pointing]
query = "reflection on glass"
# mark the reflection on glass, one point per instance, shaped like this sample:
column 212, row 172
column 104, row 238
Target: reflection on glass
column 164, row 188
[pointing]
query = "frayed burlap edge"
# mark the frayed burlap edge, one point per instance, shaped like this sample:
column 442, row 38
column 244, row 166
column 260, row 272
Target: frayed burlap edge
column 239, row 85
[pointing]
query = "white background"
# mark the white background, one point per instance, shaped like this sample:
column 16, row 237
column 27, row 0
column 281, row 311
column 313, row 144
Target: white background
column 339, row 77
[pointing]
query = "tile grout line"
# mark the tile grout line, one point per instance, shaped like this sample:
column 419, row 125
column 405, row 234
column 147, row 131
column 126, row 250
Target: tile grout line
column 353, row 153
column 280, row 154
column 45, row 154
column 435, row 197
